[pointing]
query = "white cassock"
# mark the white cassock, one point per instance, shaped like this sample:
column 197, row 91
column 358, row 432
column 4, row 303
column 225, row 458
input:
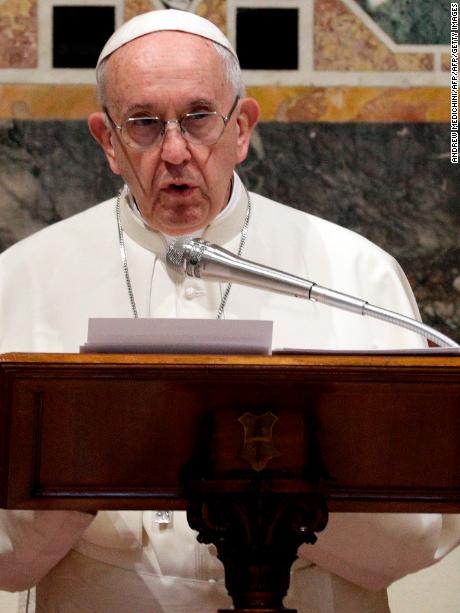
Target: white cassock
column 52, row 282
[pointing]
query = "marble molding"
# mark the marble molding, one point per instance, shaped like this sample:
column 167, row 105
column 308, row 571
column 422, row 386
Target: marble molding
column 393, row 183
column 321, row 104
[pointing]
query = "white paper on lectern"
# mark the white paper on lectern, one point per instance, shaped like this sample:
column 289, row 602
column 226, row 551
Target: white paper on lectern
column 154, row 335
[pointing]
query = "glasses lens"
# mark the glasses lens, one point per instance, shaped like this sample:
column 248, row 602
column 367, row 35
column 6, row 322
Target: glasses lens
column 202, row 128
column 142, row 131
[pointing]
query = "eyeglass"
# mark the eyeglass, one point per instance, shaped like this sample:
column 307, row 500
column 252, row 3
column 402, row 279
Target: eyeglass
column 202, row 128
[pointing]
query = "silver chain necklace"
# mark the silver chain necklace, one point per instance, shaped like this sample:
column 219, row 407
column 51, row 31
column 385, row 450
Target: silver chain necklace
column 124, row 260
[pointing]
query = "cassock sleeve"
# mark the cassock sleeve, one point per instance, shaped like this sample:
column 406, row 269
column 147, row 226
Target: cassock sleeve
column 32, row 542
column 373, row 550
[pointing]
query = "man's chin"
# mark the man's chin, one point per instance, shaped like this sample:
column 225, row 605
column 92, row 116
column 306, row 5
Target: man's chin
column 178, row 216
column 178, row 226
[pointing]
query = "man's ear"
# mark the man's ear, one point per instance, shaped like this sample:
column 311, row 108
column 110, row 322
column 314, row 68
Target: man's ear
column 97, row 123
column 248, row 116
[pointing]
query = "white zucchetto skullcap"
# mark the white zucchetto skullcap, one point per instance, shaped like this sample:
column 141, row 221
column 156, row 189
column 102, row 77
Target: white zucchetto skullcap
column 159, row 21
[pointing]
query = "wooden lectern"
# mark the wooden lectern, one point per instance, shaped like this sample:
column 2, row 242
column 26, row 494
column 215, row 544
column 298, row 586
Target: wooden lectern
column 258, row 449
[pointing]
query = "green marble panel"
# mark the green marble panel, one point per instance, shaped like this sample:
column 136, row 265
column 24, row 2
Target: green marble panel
column 416, row 22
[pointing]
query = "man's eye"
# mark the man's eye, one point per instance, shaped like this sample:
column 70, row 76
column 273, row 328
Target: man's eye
column 198, row 116
column 143, row 122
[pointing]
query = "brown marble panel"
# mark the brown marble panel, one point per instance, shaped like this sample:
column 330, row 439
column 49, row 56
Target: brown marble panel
column 18, row 34
column 215, row 11
column 136, row 7
column 445, row 61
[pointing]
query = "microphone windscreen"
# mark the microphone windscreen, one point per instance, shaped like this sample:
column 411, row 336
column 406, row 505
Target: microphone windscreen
column 175, row 255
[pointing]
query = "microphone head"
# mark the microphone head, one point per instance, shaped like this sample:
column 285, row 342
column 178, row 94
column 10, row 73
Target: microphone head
column 184, row 255
column 175, row 255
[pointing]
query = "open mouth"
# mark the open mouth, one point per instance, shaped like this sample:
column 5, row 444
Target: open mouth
column 182, row 189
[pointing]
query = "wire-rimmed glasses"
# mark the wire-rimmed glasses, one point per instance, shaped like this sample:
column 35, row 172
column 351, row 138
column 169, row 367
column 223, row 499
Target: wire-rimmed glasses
column 200, row 128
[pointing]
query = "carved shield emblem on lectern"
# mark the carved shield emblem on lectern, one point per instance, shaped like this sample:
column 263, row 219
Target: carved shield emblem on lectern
column 258, row 448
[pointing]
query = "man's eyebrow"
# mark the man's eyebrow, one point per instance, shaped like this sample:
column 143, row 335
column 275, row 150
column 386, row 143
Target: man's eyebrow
column 136, row 108
column 202, row 102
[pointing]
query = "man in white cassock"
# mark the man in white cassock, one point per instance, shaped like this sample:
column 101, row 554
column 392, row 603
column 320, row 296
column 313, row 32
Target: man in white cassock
column 174, row 124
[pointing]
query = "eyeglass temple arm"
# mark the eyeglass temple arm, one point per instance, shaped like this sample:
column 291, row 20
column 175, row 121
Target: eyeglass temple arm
column 227, row 118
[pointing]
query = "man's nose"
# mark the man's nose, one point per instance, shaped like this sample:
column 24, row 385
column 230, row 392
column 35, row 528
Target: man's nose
column 174, row 148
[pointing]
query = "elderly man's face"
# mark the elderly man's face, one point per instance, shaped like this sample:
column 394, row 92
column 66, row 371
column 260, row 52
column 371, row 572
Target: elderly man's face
column 179, row 187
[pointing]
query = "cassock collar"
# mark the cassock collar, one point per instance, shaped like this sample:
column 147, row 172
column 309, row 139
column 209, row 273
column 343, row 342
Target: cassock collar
column 219, row 231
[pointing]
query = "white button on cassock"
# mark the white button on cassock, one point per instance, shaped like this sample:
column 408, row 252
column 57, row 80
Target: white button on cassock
column 191, row 293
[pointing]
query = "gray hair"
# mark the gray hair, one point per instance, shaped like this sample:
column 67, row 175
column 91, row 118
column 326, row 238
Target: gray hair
column 232, row 70
column 232, row 73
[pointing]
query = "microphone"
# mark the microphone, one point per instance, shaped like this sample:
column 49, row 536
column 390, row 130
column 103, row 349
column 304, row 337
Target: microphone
column 203, row 260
